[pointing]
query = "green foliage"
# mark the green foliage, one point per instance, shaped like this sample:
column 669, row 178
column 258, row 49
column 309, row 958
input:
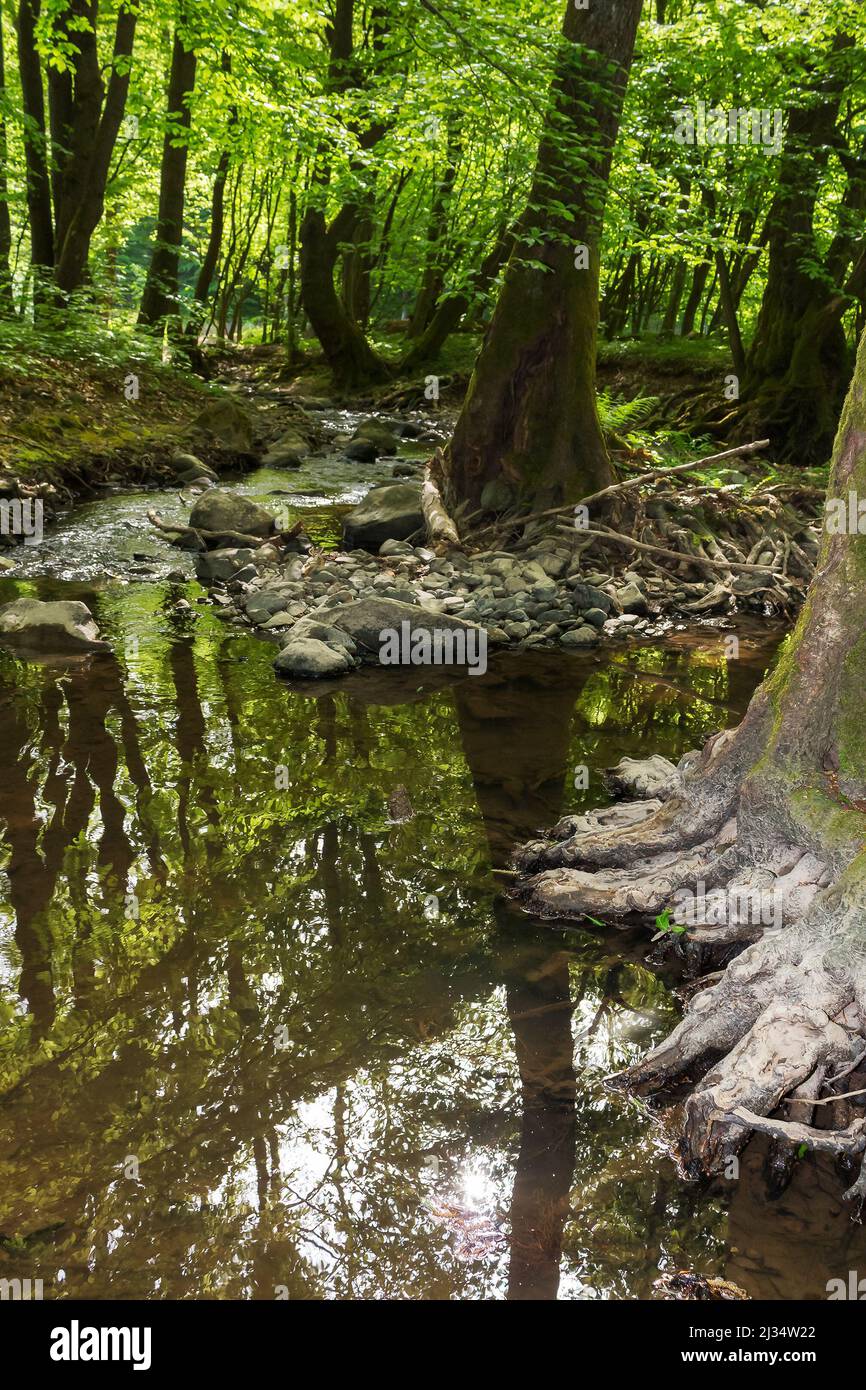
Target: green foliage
column 618, row 416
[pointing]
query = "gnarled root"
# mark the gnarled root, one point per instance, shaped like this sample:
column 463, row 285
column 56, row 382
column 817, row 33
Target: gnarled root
column 787, row 1018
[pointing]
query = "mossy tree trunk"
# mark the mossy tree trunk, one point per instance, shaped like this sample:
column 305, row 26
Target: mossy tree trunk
column 344, row 343
column 86, row 115
column 776, row 808
column 799, row 364
column 530, row 415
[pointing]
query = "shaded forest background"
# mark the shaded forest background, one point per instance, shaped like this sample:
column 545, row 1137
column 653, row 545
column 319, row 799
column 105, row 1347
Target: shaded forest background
column 343, row 180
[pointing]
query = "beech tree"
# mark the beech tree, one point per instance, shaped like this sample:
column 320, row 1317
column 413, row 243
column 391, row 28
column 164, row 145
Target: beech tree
column 770, row 816
column 343, row 341
column 530, row 418
column 159, row 300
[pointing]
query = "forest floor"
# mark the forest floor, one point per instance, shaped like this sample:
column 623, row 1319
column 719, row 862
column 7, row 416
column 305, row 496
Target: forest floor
column 80, row 416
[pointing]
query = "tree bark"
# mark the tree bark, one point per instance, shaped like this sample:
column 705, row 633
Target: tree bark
column 530, row 417
column 349, row 355
column 35, row 149
column 159, row 300
column 778, row 807
column 95, row 115
column 7, row 303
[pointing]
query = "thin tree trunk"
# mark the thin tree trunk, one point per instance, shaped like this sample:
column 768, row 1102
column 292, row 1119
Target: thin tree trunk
column 344, row 344
column 452, row 308
column 799, row 364
column 201, row 293
column 35, row 150
column 434, row 269
column 7, row 304
column 160, row 298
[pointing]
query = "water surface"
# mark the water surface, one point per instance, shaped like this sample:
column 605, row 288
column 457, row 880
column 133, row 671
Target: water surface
column 270, row 1027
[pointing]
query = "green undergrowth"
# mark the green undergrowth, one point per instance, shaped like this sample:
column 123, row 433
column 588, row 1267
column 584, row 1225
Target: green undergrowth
column 74, row 388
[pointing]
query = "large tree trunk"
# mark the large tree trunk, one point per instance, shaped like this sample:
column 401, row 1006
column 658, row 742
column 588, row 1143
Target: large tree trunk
column 530, row 415
column 159, row 300
column 763, row 837
column 94, row 115
column 35, row 149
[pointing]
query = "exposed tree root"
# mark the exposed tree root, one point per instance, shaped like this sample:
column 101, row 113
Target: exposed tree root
column 787, row 1018
column 726, row 548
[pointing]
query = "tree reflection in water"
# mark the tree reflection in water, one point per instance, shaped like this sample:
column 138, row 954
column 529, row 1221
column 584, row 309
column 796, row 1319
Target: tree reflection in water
column 240, row 1058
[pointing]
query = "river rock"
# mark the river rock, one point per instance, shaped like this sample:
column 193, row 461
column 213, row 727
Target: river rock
column 584, row 636
column 264, row 603
column 221, row 564
column 390, row 512
column 311, row 659
column 289, row 451
column 366, row 619
column 322, row 632
column 61, row 626
column 395, row 548
column 229, row 422
column 630, row 599
column 361, row 450
column 225, row 512
column 586, row 596
column 189, row 469
column 379, row 434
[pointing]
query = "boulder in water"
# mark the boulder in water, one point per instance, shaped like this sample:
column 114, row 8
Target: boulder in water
column 311, row 659
column 221, row 564
column 224, row 513
column 390, row 512
column 61, row 626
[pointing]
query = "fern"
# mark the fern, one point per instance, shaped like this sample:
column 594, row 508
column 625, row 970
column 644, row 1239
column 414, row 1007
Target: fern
column 617, row 415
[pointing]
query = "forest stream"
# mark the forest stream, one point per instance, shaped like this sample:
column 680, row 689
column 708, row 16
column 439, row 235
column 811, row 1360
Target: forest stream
column 272, row 1027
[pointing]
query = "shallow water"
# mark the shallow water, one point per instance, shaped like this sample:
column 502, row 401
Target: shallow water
column 262, row 1036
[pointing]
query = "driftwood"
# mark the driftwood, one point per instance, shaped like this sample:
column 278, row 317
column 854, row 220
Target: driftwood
column 440, row 526
column 238, row 538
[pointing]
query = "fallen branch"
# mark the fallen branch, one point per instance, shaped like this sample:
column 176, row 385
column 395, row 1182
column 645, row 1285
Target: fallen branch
column 238, row 538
